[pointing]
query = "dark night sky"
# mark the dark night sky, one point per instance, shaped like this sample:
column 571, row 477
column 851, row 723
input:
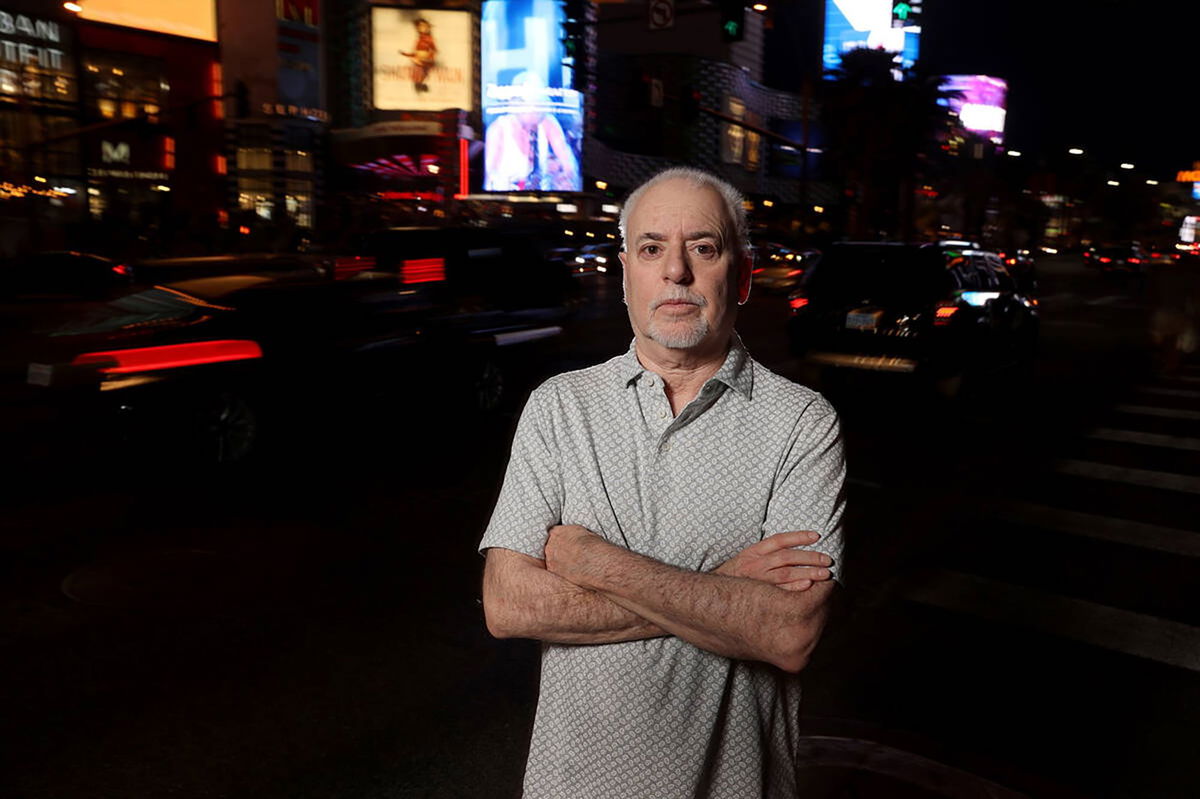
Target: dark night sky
column 1110, row 76
column 1114, row 77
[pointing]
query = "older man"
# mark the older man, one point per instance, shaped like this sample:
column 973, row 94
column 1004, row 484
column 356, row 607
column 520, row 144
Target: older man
column 668, row 527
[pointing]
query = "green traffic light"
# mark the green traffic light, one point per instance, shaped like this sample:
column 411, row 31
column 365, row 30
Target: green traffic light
column 731, row 28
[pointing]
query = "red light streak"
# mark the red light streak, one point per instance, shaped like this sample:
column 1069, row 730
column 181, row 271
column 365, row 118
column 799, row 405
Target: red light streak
column 464, row 175
column 423, row 270
column 169, row 356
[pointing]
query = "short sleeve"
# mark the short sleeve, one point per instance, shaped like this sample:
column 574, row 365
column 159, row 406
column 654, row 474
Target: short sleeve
column 531, row 497
column 809, row 491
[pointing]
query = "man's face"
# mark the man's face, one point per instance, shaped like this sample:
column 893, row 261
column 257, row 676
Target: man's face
column 682, row 270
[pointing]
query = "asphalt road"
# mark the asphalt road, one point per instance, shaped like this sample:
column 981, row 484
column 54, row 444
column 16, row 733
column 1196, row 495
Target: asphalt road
column 1019, row 618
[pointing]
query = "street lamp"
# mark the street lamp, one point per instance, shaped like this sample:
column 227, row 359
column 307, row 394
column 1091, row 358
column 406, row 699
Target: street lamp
column 1114, row 183
column 1126, row 165
column 1075, row 151
column 1015, row 153
column 1151, row 182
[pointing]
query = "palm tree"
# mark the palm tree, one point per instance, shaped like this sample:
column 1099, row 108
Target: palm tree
column 881, row 126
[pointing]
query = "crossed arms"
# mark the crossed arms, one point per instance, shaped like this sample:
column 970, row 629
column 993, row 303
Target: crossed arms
column 769, row 602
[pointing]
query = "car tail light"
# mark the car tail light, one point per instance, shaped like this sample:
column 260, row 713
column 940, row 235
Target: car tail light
column 944, row 314
column 796, row 303
column 349, row 266
column 423, row 270
column 1135, row 260
column 169, row 356
column 1104, row 259
column 795, row 273
column 1010, row 261
column 124, row 270
column 760, row 270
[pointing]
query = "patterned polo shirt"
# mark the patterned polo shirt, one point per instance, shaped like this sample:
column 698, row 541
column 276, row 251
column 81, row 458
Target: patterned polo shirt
column 752, row 455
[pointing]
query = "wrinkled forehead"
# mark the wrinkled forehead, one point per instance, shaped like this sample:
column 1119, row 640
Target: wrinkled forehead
column 680, row 205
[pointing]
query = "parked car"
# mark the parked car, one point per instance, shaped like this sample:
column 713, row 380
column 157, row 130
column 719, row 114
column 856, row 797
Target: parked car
column 203, row 367
column 936, row 311
column 597, row 258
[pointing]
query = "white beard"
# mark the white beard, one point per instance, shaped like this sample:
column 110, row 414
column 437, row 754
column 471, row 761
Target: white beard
column 679, row 335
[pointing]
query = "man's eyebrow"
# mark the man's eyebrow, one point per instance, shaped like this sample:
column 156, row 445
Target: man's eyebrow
column 693, row 236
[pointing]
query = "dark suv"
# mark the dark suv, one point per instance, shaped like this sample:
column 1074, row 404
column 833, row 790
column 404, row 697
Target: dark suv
column 930, row 309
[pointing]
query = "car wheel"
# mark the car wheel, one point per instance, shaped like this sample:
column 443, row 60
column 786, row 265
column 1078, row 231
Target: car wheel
column 227, row 429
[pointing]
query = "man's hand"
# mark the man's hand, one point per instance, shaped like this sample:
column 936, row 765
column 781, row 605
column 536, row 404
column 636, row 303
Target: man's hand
column 565, row 548
column 772, row 560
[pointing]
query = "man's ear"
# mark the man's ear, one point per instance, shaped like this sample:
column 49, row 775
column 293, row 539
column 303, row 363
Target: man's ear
column 624, row 276
column 745, row 271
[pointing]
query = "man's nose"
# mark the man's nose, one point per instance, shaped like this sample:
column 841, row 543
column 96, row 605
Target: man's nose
column 676, row 266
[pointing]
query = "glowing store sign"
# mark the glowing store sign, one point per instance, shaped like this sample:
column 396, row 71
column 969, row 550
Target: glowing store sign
column 24, row 53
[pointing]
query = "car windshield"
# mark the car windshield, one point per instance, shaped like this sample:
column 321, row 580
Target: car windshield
column 158, row 305
column 878, row 274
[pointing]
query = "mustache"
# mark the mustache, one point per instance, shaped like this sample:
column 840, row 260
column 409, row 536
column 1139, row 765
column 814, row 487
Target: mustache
column 681, row 294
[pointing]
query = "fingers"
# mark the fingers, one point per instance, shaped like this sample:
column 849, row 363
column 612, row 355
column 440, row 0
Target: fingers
column 797, row 557
column 791, row 538
column 796, row 585
column 791, row 574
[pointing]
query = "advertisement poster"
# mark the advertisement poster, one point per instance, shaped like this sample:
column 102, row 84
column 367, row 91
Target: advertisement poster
column 532, row 117
column 979, row 101
column 422, row 59
column 872, row 24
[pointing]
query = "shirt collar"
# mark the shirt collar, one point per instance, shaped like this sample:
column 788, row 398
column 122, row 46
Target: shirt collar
column 735, row 372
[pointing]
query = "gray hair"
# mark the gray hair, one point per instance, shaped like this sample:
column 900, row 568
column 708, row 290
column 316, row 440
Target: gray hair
column 699, row 178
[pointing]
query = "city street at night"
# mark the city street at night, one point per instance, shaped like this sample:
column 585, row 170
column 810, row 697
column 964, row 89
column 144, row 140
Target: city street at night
column 598, row 399
column 1017, row 613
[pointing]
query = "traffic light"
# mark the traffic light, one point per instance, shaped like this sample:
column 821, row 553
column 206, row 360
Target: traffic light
column 733, row 20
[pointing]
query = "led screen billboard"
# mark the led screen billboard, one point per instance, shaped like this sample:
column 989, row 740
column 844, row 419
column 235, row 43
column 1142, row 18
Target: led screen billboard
column 872, row 24
column 193, row 18
column 421, row 59
column 979, row 102
column 532, row 117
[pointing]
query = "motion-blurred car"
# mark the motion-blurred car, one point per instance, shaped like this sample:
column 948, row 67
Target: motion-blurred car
column 62, row 275
column 201, row 367
column 933, row 310
column 779, row 268
column 597, row 258
column 1123, row 258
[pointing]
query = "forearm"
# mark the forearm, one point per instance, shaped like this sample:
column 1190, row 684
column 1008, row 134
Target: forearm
column 523, row 600
column 731, row 616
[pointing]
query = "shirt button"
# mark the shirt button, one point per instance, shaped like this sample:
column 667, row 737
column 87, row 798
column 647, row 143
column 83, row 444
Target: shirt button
column 662, row 414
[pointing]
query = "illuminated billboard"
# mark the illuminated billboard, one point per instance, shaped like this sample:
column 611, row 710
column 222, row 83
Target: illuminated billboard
column 979, row 102
column 532, row 117
column 421, row 59
column 196, row 19
column 894, row 26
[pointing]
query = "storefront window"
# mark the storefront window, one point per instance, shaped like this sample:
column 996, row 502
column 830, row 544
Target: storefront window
column 125, row 85
column 254, row 194
column 298, row 161
column 253, row 158
column 298, row 201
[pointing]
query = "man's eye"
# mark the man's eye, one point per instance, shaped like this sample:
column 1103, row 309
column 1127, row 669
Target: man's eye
column 706, row 249
column 651, row 249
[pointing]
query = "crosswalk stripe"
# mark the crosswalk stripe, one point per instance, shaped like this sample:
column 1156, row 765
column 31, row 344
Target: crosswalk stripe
column 1124, row 631
column 1124, row 474
column 1104, row 528
column 1150, row 410
column 1169, row 392
column 1146, row 439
